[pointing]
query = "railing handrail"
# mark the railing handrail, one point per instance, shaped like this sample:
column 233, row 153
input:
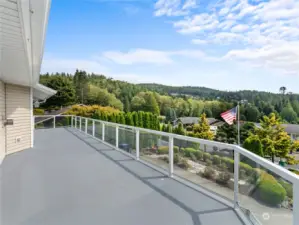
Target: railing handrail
column 286, row 174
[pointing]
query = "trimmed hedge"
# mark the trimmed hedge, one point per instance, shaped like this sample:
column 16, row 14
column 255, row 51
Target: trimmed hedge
column 229, row 163
column 187, row 151
column 246, row 168
column 163, row 150
column 216, row 160
column 288, row 187
column 270, row 191
column 199, row 155
column 207, row 156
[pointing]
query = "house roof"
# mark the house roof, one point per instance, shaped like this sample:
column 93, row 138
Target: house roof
column 194, row 120
column 289, row 128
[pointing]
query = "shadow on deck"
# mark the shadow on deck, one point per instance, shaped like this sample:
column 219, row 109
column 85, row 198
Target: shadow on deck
column 69, row 178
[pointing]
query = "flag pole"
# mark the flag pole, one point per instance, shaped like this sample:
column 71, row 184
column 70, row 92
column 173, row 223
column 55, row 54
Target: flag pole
column 238, row 108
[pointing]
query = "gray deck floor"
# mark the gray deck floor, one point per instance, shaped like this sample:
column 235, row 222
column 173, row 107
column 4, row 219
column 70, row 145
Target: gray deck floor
column 71, row 179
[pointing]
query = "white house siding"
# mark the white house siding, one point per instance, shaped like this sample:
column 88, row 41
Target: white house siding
column 2, row 115
column 18, row 135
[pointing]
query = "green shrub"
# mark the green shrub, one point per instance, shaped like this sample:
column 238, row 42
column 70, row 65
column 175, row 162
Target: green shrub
column 193, row 157
column 223, row 167
column 209, row 162
column 207, row 156
column 199, row 155
column 216, row 160
column 270, row 191
column 223, row 178
column 246, row 168
column 176, row 149
column 242, row 174
column 163, row 150
column 38, row 112
column 165, row 158
column 176, row 158
column 183, row 163
column 209, row 172
column 188, row 151
column 288, row 187
column 229, row 163
column 254, row 176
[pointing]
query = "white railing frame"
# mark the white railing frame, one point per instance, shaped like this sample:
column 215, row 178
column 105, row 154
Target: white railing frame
column 238, row 151
column 137, row 144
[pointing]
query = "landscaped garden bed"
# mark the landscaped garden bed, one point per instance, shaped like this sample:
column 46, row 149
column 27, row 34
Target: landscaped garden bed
column 253, row 182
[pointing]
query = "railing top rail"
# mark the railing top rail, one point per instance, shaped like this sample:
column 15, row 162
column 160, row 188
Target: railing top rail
column 286, row 174
column 59, row 115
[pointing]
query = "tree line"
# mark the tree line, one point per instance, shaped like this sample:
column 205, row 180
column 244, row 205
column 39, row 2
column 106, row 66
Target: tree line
column 171, row 102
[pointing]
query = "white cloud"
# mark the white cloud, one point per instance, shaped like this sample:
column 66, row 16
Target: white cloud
column 240, row 28
column 174, row 7
column 147, row 56
column 199, row 41
column 259, row 27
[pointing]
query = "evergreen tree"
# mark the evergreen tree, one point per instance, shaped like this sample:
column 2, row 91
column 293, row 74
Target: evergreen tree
column 275, row 141
column 202, row 130
column 179, row 129
column 141, row 118
column 129, row 119
column 122, row 119
column 169, row 128
column 135, row 119
column 81, row 85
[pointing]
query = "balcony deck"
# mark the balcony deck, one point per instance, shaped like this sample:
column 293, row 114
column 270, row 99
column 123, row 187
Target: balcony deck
column 69, row 178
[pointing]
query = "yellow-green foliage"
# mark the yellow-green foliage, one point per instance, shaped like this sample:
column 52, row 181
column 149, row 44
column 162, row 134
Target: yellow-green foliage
column 38, row 111
column 89, row 110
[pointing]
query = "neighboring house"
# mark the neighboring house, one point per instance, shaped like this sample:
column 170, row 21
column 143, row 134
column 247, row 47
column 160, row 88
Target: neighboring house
column 22, row 34
column 291, row 129
column 190, row 121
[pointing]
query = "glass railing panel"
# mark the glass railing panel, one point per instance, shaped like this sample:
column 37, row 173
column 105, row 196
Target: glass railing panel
column 62, row 121
column 98, row 129
column 208, row 166
column 127, row 140
column 78, row 122
column 43, row 122
column 83, row 124
column 264, row 196
column 154, row 149
column 110, row 134
column 89, row 126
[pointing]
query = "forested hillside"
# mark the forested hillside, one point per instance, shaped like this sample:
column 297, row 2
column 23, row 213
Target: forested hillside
column 168, row 101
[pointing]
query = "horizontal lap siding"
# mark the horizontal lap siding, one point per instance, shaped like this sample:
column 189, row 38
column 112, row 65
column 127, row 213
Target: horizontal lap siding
column 2, row 115
column 18, row 109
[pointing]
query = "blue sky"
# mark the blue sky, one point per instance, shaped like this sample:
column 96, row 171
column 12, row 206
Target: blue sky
column 223, row 44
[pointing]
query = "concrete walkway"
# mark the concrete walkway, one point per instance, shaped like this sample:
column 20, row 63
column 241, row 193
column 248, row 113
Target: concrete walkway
column 71, row 179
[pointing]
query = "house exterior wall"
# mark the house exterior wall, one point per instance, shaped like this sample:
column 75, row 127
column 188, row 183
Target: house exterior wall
column 2, row 116
column 18, row 108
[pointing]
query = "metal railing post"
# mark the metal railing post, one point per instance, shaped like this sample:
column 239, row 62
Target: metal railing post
column 103, row 132
column 137, row 144
column 80, row 126
column 236, row 178
column 54, row 122
column 296, row 203
column 170, row 151
column 116, row 136
column 86, row 125
column 93, row 128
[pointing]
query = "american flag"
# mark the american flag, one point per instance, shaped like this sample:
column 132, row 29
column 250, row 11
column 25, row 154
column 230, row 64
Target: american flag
column 230, row 115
